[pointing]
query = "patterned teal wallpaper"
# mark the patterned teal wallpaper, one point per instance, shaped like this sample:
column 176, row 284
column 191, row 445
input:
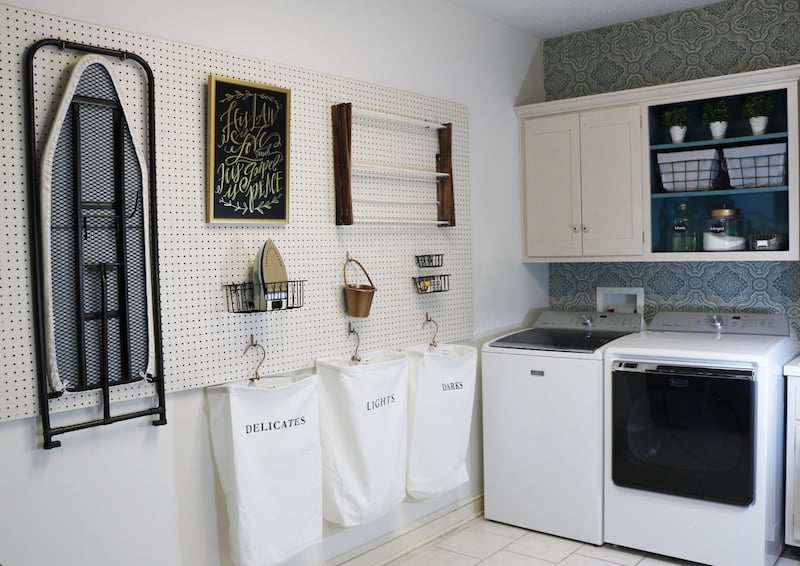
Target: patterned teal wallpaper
column 762, row 286
column 720, row 39
column 728, row 37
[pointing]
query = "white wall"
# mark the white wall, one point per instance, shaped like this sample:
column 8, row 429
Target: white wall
column 135, row 494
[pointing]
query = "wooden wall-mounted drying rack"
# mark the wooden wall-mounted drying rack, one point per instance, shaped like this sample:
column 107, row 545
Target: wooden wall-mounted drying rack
column 344, row 167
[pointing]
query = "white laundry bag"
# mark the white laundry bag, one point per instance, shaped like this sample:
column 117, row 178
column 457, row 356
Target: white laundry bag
column 267, row 449
column 441, row 395
column 363, row 417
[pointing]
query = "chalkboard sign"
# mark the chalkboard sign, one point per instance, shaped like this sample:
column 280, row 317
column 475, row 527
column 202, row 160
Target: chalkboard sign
column 248, row 152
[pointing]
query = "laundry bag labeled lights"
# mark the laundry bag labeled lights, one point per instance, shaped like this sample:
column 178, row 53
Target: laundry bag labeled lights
column 266, row 446
column 363, row 418
column 441, row 396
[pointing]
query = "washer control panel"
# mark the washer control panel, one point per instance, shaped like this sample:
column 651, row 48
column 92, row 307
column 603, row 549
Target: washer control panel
column 565, row 320
column 726, row 323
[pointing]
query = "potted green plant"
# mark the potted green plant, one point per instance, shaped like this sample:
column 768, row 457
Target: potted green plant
column 757, row 108
column 676, row 118
column 715, row 114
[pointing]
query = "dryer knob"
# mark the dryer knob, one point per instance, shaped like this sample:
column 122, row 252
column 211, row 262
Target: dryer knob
column 715, row 321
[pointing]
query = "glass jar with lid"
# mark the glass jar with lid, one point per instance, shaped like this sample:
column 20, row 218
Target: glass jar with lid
column 724, row 221
column 722, row 232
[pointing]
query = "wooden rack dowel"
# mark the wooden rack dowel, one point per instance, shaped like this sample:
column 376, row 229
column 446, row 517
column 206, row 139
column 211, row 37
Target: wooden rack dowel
column 390, row 200
column 365, row 168
column 396, row 118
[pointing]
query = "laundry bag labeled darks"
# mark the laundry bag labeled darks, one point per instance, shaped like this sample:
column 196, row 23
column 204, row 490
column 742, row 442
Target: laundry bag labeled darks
column 363, row 417
column 441, row 396
column 266, row 446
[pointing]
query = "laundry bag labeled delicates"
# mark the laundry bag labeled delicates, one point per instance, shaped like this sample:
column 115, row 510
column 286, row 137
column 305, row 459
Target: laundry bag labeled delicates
column 363, row 418
column 266, row 446
column 441, row 396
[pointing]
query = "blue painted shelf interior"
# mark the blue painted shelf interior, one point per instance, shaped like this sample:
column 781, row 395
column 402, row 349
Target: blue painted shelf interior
column 764, row 209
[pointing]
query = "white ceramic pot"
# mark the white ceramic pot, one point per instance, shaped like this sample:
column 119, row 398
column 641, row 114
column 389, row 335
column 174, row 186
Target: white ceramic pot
column 677, row 133
column 758, row 124
column 718, row 129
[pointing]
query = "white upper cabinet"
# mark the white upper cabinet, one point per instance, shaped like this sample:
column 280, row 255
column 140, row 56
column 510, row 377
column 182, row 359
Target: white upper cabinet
column 602, row 179
column 582, row 184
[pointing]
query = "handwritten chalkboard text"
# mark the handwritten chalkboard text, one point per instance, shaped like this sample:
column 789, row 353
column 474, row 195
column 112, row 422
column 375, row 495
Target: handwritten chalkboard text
column 250, row 151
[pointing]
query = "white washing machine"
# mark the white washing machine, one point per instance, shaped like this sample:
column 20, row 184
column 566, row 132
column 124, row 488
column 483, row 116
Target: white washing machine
column 694, row 428
column 543, row 423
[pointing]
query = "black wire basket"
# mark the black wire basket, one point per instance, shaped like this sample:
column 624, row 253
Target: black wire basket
column 430, row 260
column 432, row 283
column 281, row 295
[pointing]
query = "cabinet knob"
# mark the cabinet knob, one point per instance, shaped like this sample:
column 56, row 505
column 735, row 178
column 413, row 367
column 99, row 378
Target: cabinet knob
column 585, row 227
column 574, row 229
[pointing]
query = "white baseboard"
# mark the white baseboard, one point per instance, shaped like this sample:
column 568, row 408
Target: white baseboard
column 425, row 530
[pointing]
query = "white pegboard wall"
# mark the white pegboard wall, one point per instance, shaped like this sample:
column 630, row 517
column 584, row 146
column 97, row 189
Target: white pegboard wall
column 203, row 344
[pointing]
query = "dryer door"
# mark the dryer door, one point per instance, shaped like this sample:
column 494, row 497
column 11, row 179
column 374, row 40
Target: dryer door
column 685, row 431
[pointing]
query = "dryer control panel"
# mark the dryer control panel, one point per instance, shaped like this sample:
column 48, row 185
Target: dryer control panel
column 727, row 323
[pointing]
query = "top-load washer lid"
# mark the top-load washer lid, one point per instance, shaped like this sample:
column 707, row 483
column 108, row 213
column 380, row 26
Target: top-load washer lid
column 572, row 332
column 557, row 340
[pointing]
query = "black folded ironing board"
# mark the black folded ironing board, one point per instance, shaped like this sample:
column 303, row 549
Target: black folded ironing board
column 93, row 234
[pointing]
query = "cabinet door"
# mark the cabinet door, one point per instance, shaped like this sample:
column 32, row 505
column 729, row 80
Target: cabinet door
column 611, row 182
column 551, row 197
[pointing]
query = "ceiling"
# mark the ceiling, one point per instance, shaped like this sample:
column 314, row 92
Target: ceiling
column 545, row 19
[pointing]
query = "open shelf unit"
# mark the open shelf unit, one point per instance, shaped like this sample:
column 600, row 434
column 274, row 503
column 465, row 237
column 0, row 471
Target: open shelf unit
column 763, row 203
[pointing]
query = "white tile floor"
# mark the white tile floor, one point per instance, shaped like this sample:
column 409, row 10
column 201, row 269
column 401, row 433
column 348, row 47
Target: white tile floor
column 495, row 544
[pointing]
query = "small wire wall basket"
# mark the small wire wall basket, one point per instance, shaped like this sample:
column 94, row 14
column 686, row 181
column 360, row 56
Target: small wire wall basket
column 281, row 295
column 430, row 260
column 432, row 283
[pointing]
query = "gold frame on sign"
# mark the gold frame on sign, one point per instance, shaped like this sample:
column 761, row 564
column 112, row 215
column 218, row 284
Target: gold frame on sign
column 251, row 149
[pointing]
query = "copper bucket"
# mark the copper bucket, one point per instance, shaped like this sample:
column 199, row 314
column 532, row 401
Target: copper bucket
column 358, row 298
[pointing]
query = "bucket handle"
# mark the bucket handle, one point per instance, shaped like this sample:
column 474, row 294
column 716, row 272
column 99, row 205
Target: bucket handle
column 344, row 270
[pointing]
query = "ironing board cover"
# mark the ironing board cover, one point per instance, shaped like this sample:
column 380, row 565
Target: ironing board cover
column 77, row 176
